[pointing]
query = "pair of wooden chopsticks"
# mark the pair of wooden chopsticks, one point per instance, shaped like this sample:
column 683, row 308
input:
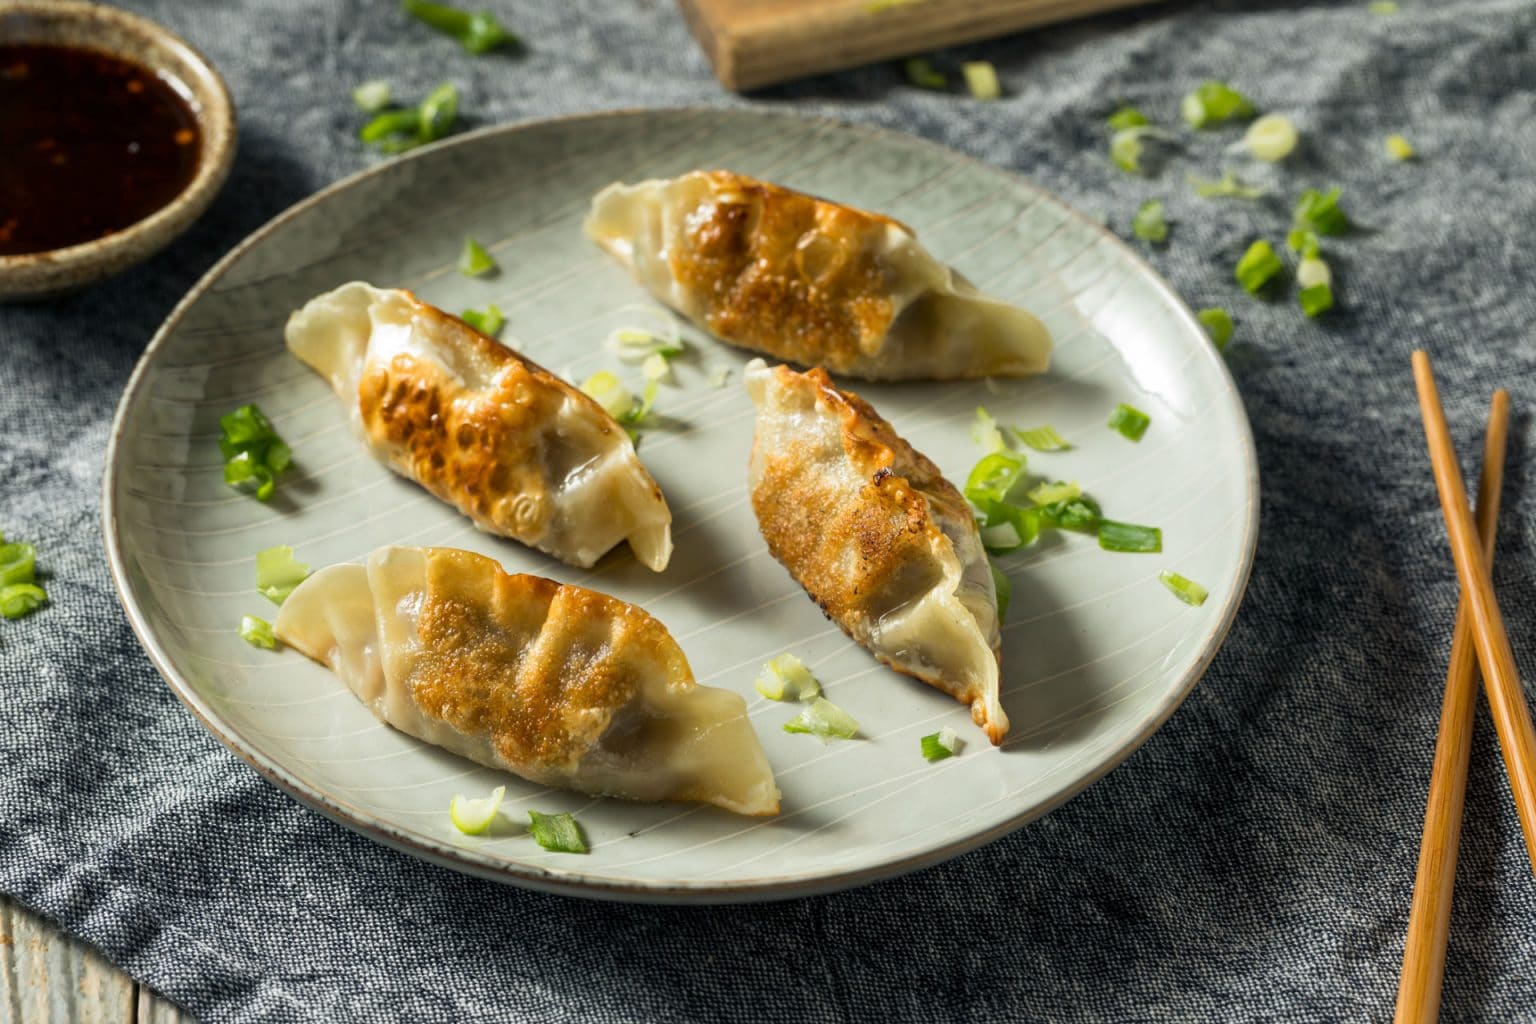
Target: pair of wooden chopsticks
column 1479, row 640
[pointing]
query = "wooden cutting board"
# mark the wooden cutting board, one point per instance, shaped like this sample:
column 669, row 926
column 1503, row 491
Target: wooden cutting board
column 758, row 42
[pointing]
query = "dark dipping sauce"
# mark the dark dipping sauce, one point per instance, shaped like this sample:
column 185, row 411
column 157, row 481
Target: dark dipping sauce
column 89, row 144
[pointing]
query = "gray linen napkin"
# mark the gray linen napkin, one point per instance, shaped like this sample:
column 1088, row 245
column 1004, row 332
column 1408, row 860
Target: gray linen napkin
column 1253, row 861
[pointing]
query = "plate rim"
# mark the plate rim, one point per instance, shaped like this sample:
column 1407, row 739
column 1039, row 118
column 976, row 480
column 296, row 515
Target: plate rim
column 577, row 882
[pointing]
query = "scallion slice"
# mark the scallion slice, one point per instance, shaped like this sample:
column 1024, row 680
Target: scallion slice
column 1257, row 267
column 1148, row 224
column 824, row 719
column 474, row 817
column 1218, row 324
column 1115, row 536
column 18, row 599
column 1316, row 283
column 477, row 31
column 557, row 833
column 1302, row 242
column 1127, row 117
column 474, row 261
column 1228, row 186
column 1271, row 138
column 1316, row 299
column 389, row 124
column 605, row 388
column 921, row 73
column 254, row 455
column 488, row 321
column 656, row 367
column 984, row 431
column 395, row 131
column 1130, row 421
column 1004, row 588
column 1212, row 103
column 18, row 564
column 634, row 343
column 1081, row 513
column 939, row 745
column 1126, row 146
column 1042, row 439
column 1186, row 590
column 278, row 573
column 257, row 632
column 1319, row 212
column 1049, row 494
column 981, row 79
column 993, row 477
column 1399, row 148
column 1022, row 526
column 786, row 678
column 371, row 97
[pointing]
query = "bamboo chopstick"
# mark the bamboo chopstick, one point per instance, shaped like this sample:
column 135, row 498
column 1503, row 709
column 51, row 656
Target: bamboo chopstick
column 1501, row 679
column 1429, row 919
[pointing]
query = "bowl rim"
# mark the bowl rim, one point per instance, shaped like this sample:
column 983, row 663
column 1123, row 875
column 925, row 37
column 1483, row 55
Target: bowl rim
column 212, row 105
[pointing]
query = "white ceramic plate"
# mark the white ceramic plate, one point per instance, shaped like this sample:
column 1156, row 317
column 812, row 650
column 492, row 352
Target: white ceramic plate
column 1096, row 653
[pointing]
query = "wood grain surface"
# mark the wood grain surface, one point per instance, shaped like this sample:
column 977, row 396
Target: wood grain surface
column 752, row 43
column 48, row 977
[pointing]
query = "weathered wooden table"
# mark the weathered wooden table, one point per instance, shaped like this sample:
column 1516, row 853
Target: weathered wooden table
column 46, row 976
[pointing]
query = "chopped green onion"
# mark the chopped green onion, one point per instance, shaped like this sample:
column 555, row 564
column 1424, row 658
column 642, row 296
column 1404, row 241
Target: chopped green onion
column 1214, row 102
column 1006, row 527
column 1042, row 439
column 18, row 564
column 477, row 31
column 1049, row 494
column 1126, row 148
column 1185, row 590
column 1303, row 243
column 1127, row 117
column 1271, row 138
column 395, row 131
column 1080, row 513
column 640, row 410
column 1228, row 186
column 474, row 260
column 1115, row 536
column 1315, row 299
column 474, row 817
column 18, row 599
column 823, row 718
column 1311, row 272
column 253, row 453
column 391, row 123
column 655, row 367
column 1257, row 266
column 557, row 833
column 371, row 97
column 1148, row 224
column 1218, row 324
column 278, row 573
column 633, row 344
column 1399, row 148
column 1130, row 421
column 257, row 632
column 993, row 477
column 787, row 678
column 488, row 321
column 1382, row 7
column 937, row 746
column 1319, row 212
column 981, row 79
column 605, row 388
column 921, row 73
column 1004, row 587
column 985, row 433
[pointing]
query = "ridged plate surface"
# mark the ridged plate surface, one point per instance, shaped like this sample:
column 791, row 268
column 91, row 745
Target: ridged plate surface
column 1096, row 653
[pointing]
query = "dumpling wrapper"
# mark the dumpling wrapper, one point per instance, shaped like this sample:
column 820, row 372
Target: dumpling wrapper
column 875, row 534
column 560, row 685
column 810, row 281
column 518, row 450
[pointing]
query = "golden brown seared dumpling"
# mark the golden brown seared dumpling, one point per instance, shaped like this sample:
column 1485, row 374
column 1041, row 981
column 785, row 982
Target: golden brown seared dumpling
column 518, row 450
column 810, row 281
column 560, row 685
column 875, row 534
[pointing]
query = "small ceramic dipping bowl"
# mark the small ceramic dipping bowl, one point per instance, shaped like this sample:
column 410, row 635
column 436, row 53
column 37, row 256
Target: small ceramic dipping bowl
column 127, row 37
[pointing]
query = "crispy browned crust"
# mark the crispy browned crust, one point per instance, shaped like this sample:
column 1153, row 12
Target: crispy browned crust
column 855, row 557
column 480, row 451
column 786, row 273
column 537, row 666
